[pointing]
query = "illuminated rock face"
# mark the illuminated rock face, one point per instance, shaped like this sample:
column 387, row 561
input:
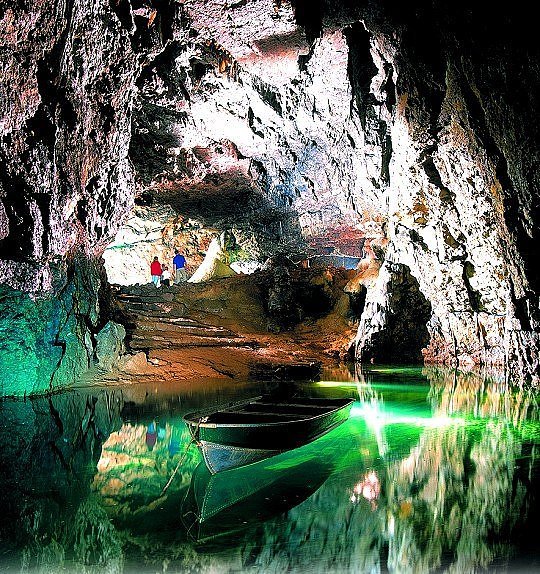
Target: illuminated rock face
column 287, row 124
column 66, row 180
column 46, row 343
column 459, row 201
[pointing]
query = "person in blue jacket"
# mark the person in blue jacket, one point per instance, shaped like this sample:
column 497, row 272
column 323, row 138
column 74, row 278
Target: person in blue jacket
column 179, row 268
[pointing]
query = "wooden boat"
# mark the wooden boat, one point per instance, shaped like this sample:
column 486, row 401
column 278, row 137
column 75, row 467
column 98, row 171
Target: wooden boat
column 243, row 433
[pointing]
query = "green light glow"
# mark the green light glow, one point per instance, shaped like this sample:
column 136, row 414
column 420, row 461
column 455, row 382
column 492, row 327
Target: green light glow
column 391, row 370
column 530, row 431
column 380, row 416
column 394, row 370
column 339, row 384
column 374, row 386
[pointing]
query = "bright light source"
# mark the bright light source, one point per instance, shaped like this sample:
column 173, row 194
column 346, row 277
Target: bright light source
column 347, row 384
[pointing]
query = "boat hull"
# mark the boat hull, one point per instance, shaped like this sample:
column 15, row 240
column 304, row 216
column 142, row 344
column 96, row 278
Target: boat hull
column 231, row 445
column 220, row 457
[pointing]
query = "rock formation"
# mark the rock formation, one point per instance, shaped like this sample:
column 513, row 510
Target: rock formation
column 216, row 262
column 289, row 124
column 283, row 323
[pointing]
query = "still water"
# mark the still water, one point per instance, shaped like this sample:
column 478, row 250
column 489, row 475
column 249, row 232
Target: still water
column 435, row 471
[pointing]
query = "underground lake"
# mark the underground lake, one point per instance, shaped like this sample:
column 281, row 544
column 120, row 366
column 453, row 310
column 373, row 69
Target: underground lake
column 434, row 469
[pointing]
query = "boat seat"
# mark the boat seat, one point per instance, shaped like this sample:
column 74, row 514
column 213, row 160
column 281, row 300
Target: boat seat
column 283, row 409
column 327, row 406
column 228, row 417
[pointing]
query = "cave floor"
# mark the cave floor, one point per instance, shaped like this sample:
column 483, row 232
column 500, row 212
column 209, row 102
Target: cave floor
column 221, row 330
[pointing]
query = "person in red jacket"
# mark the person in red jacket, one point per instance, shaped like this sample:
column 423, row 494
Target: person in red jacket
column 155, row 270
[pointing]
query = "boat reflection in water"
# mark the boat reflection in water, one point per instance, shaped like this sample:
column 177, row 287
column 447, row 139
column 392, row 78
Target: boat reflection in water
column 218, row 505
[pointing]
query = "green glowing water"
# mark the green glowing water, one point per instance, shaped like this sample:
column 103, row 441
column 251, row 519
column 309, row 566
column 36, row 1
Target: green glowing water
column 434, row 470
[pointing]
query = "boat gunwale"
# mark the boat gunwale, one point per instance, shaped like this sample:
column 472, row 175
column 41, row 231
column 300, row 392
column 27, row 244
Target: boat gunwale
column 210, row 410
column 210, row 425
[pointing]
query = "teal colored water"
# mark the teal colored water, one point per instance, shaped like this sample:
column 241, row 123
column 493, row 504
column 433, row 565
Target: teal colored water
column 434, row 471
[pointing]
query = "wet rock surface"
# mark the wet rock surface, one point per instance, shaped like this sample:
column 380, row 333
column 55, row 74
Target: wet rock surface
column 393, row 326
column 46, row 343
column 235, row 328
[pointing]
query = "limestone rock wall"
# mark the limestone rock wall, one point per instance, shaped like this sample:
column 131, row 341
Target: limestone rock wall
column 67, row 82
column 460, row 210
column 292, row 123
column 65, row 111
column 216, row 129
column 391, row 120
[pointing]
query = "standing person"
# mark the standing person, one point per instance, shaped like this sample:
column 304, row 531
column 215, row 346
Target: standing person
column 156, row 271
column 166, row 276
column 179, row 267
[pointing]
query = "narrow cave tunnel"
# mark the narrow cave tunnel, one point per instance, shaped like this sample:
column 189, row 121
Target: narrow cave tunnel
column 353, row 187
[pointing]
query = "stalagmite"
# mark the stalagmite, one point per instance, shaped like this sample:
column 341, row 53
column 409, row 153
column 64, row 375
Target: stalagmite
column 215, row 264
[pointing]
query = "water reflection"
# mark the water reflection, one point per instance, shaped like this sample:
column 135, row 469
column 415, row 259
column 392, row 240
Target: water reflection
column 221, row 505
column 369, row 487
column 435, row 469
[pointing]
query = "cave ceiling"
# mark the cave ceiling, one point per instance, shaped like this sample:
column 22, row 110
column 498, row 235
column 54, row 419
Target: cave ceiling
column 244, row 110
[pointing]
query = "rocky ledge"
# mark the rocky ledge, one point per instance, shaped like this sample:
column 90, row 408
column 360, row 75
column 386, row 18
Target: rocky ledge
column 281, row 323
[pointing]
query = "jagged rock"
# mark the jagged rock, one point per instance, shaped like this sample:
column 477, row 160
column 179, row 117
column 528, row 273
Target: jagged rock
column 245, row 267
column 393, row 327
column 46, row 342
column 283, row 307
column 4, row 224
column 136, row 364
column 417, row 121
column 109, row 345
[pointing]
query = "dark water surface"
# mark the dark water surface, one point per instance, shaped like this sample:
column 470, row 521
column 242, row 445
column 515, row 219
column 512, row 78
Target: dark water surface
column 435, row 471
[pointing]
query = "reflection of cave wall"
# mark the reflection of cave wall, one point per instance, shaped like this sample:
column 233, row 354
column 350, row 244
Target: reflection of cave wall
column 402, row 312
column 83, row 481
column 456, row 498
column 455, row 495
column 74, row 465
column 50, row 449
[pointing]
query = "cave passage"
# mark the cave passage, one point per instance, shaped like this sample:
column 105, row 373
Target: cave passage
column 346, row 182
column 354, row 189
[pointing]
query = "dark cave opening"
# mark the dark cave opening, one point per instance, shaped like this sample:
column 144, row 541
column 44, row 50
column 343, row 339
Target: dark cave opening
column 405, row 333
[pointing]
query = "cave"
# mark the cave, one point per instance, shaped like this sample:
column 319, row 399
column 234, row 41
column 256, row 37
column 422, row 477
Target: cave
column 353, row 185
column 269, row 138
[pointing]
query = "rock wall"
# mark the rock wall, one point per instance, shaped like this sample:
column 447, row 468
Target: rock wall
column 460, row 210
column 290, row 125
column 47, row 342
column 390, row 123
column 66, row 182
